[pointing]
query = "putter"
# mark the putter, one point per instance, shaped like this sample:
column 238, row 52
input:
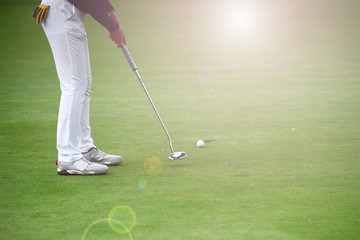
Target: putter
column 173, row 155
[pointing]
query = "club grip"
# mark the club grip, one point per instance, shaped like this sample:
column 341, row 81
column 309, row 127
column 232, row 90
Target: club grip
column 128, row 57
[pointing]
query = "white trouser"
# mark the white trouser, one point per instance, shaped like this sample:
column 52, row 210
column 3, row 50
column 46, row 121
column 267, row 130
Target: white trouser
column 68, row 41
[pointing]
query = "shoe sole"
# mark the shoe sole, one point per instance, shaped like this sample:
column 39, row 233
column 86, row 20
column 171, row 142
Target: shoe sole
column 110, row 163
column 75, row 172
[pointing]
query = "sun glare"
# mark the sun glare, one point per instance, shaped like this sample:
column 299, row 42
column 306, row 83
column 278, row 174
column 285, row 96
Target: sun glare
column 244, row 20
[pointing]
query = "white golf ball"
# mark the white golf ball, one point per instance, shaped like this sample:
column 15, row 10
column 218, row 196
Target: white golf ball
column 200, row 143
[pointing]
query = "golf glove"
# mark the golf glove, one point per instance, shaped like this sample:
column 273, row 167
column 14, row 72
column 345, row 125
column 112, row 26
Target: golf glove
column 41, row 13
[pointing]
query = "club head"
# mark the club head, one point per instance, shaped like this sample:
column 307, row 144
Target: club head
column 177, row 156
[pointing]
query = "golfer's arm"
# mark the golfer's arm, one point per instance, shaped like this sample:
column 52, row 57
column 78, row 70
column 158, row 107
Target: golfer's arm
column 101, row 10
column 106, row 16
column 114, row 17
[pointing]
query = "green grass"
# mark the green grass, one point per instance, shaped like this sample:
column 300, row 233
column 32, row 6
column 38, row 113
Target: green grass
column 281, row 104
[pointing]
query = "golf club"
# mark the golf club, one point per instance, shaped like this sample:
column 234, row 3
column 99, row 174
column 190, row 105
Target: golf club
column 173, row 155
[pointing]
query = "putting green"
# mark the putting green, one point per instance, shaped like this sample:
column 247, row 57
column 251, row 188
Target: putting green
column 273, row 90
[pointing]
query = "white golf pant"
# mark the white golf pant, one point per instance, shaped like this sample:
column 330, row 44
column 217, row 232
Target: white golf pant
column 68, row 41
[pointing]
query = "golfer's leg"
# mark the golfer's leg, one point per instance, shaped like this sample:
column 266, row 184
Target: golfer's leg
column 67, row 39
column 70, row 64
column 86, row 142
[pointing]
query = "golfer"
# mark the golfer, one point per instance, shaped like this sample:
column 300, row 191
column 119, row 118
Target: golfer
column 62, row 21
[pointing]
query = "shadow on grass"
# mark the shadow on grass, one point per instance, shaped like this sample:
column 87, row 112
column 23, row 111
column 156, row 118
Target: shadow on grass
column 180, row 165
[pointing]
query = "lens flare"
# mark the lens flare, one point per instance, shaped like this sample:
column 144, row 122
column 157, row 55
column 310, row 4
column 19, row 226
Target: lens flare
column 153, row 166
column 206, row 74
column 125, row 215
column 142, row 183
column 108, row 221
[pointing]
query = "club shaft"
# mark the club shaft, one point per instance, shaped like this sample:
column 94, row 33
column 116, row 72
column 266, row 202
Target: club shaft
column 153, row 106
column 134, row 68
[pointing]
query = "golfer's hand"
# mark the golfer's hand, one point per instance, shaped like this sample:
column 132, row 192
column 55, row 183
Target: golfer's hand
column 118, row 37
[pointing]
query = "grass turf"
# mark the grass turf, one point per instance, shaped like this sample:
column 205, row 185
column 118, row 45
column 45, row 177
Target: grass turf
column 281, row 104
